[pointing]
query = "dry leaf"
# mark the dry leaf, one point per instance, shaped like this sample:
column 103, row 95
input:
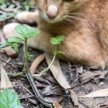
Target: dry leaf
column 58, row 75
column 57, row 105
column 74, row 98
column 98, row 93
column 105, row 105
column 36, row 62
column 5, row 82
column 33, row 101
column 89, row 74
column 9, row 50
column 54, row 99
column 57, row 72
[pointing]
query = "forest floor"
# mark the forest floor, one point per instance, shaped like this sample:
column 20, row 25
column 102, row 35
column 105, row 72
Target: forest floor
column 82, row 79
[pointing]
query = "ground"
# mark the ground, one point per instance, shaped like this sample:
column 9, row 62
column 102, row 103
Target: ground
column 47, row 85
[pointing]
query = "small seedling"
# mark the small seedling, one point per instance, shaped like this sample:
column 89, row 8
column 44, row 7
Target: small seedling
column 27, row 5
column 9, row 99
column 26, row 34
column 54, row 41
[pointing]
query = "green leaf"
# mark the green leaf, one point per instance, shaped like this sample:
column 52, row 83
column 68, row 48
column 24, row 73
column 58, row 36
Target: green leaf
column 5, row 44
column 9, row 99
column 29, row 57
column 15, row 46
column 32, row 32
column 27, row 5
column 57, row 40
column 3, row 16
column 22, row 30
column 15, row 39
column 60, row 38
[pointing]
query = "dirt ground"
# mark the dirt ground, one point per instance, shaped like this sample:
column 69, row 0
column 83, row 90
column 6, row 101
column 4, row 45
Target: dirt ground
column 46, row 83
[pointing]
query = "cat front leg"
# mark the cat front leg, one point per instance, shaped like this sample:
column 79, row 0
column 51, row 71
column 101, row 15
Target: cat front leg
column 27, row 17
column 41, row 41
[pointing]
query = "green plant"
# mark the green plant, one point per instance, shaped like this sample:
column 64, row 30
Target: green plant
column 27, row 5
column 26, row 34
column 2, row 1
column 9, row 99
column 55, row 41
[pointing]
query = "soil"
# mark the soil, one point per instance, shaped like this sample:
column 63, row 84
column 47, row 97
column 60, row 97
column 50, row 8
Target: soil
column 49, row 88
column 44, row 82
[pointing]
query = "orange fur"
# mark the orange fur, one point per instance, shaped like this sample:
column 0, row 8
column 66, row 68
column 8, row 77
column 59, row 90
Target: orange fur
column 86, row 35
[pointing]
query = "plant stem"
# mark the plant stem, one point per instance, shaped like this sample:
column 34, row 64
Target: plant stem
column 26, row 57
column 46, row 69
column 26, row 51
column 20, row 74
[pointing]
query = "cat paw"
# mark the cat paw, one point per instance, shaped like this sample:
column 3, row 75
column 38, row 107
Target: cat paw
column 9, row 30
column 27, row 17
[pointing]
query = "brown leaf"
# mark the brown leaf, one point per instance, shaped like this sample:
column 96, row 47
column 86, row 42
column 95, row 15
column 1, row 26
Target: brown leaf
column 51, row 90
column 9, row 50
column 32, row 101
column 5, row 82
column 74, row 98
column 98, row 93
column 36, row 62
column 89, row 74
column 105, row 105
column 57, row 105
column 57, row 72
column 54, row 99
column 58, row 75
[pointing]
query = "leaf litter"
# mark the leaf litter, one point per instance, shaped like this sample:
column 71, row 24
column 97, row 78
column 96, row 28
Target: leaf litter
column 88, row 82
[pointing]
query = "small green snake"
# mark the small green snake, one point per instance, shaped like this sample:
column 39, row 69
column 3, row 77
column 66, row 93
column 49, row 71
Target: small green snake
column 36, row 92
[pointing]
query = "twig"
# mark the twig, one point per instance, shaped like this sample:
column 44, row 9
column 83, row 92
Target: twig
column 27, row 90
column 7, row 63
column 84, row 104
column 25, row 97
column 1, row 88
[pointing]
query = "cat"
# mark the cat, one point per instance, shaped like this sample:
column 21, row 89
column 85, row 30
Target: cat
column 83, row 23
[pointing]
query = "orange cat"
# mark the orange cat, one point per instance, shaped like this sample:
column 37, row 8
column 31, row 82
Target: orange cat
column 84, row 23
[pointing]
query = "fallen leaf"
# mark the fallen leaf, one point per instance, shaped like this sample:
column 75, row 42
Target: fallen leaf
column 53, row 99
column 57, row 72
column 9, row 50
column 36, row 62
column 57, row 105
column 98, row 93
column 51, row 90
column 105, row 105
column 32, row 101
column 89, row 74
column 103, row 74
column 58, row 75
column 5, row 82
